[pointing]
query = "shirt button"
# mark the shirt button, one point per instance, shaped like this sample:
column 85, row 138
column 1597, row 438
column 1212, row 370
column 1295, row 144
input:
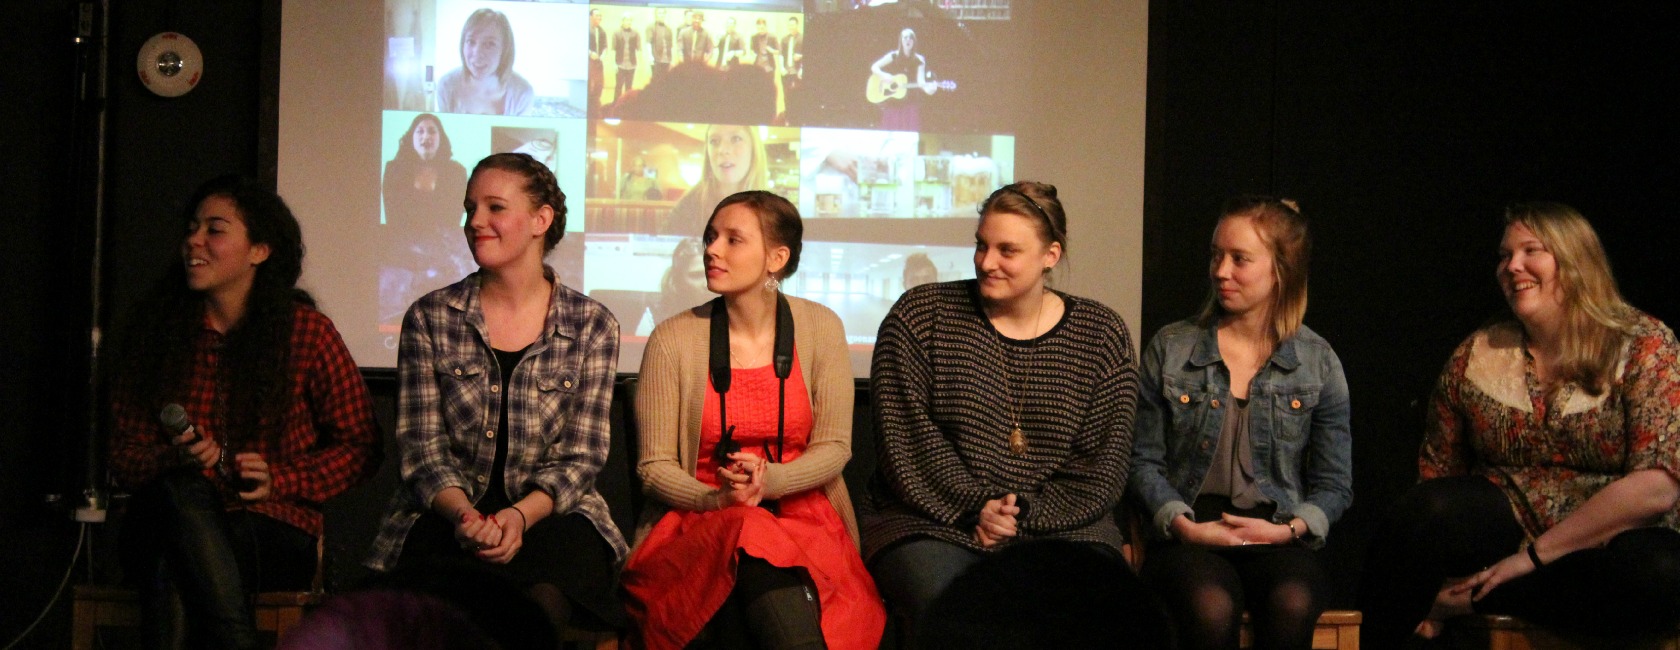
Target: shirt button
column 1294, row 403
column 1215, row 403
column 457, row 372
column 567, row 383
column 1183, row 399
column 490, row 434
column 495, row 388
column 1204, row 445
column 483, row 479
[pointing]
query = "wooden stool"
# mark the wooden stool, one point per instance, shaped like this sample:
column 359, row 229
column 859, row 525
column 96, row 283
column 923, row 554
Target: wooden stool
column 1337, row 629
column 1512, row 633
column 99, row 606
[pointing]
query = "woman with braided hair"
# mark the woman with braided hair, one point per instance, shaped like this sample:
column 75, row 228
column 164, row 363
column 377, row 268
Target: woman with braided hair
column 505, row 381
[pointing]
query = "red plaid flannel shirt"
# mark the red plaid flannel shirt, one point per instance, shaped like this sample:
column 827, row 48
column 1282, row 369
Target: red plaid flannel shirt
column 326, row 442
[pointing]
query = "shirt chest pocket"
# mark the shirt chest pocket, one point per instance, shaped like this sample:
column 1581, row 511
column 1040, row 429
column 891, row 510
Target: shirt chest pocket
column 1188, row 406
column 1292, row 412
column 549, row 395
column 462, row 390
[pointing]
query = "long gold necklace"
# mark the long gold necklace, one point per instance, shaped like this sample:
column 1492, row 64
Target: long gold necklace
column 1017, row 437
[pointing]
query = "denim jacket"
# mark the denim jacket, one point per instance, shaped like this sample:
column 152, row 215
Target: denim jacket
column 1298, row 426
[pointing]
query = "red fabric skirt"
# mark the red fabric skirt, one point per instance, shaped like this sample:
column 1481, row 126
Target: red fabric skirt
column 685, row 569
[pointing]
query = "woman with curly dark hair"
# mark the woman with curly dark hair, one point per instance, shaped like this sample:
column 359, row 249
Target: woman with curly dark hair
column 265, row 416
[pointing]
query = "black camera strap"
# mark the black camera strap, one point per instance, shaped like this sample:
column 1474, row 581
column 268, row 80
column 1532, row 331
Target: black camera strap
column 718, row 362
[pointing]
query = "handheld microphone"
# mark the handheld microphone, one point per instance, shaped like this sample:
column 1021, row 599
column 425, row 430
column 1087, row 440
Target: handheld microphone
column 174, row 418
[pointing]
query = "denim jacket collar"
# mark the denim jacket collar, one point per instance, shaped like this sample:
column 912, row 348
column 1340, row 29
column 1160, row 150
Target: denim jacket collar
column 1206, row 352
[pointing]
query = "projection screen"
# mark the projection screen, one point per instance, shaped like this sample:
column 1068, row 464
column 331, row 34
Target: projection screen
column 885, row 123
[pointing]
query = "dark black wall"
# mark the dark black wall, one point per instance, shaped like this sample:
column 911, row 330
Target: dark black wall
column 158, row 150
column 1401, row 128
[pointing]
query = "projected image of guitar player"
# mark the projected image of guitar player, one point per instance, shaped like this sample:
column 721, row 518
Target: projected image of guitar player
column 894, row 81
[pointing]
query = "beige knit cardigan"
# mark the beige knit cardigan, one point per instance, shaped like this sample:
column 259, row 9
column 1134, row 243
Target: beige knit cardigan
column 670, row 399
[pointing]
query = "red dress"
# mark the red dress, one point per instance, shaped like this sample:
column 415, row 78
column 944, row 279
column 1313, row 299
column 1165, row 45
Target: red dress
column 681, row 574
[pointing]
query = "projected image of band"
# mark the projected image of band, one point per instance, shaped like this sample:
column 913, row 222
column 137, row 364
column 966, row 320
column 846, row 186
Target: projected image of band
column 694, row 63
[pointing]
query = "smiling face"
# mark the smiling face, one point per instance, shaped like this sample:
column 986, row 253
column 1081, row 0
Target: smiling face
column 1528, row 276
column 729, row 150
column 1011, row 257
column 739, row 258
column 426, row 138
column 504, row 226
column 1241, row 267
column 481, row 51
column 217, row 250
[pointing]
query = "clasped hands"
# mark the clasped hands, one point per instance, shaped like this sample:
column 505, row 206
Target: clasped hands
column 495, row 538
column 1231, row 530
column 997, row 521
column 741, row 483
column 248, row 466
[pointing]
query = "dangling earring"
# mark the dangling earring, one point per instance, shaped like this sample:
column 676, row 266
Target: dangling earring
column 772, row 284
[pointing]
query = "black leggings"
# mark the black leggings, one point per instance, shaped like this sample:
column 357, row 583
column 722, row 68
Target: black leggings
column 1284, row 588
column 1453, row 527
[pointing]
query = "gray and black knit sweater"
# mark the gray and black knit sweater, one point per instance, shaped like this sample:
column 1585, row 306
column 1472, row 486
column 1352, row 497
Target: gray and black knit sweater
column 946, row 385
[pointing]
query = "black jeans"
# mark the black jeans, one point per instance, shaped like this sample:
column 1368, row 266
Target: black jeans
column 1453, row 527
column 196, row 563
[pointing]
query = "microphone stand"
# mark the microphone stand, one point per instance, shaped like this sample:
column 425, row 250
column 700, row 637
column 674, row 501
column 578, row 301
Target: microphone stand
column 93, row 30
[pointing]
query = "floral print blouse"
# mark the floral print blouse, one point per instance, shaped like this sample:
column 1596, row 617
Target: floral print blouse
column 1490, row 416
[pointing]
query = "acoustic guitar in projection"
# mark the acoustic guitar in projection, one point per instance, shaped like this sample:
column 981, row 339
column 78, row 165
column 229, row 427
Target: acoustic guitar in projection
column 879, row 90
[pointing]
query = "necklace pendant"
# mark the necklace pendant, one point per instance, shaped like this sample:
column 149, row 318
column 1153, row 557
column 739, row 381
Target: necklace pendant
column 1017, row 442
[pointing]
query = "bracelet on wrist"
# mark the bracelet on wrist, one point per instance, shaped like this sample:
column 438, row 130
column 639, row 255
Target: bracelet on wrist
column 524, row 524
column 1534, row 556
column 1294, row 535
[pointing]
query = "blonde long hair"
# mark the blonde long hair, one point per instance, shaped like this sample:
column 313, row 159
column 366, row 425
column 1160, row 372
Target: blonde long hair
column 758, row 173
column 1597, row 322
column 1284, row 231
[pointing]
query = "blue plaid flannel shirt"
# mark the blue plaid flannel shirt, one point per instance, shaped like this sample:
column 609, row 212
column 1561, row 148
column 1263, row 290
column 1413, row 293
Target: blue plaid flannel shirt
column 558, row 403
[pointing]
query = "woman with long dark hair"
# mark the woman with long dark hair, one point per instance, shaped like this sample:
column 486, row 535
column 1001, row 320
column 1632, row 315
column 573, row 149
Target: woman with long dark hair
column 264, row 417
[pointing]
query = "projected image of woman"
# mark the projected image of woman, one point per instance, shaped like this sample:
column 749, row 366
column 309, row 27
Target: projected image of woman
column 486, row 83
column 422, row 190
column 271, row 418
column 1004, row 409
column 735, row 162
column 423, row 184
column 1243, row 457
column 505, row 381
column 750, row 507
